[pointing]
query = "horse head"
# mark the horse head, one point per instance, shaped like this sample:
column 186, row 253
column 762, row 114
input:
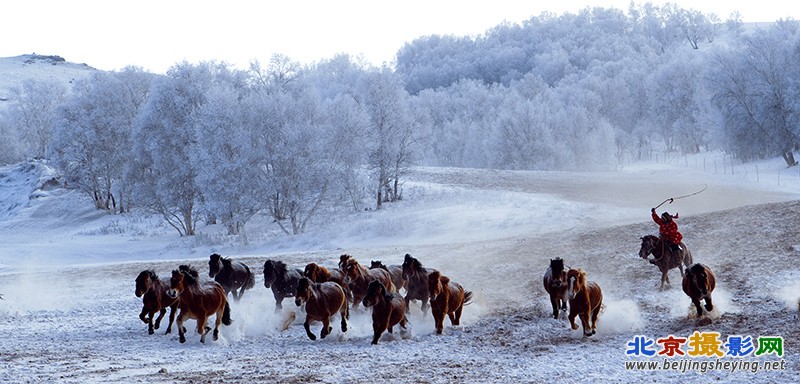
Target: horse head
column 272, row 270
column 343, row 261
column 303, row 291
column 144, row 281
column 352, row 270
column 411, row 266
column 177, row 284
column 576, row 279
column 436, row 283
column 375, row 290
column 698, row 278
column 557, row 273
column 214, row 265
column 648, row 246
column 374, row 264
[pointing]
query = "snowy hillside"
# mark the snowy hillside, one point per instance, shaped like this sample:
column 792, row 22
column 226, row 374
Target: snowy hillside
column 69, row 313
column 15, row 70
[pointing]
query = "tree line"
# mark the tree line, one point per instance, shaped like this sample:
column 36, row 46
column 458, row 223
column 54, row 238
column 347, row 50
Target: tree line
column 209, row 143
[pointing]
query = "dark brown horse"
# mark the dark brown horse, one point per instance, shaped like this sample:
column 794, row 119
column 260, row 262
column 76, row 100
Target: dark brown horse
column 153, row 292
column 447, row 297
column 555, row 283
column 323, row 301
column 198, row 302
column 416, row 277
column 234, row 276
column 665, row 259
column 698, row 283
column 282, row 281
column 585, row 301
column 396, row 271
column 388, row 309
column 358, row 278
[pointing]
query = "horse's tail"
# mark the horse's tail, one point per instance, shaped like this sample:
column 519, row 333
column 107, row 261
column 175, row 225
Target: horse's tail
column 687, row 257
column 251, row 279
column 467, row 297
column 226, row 314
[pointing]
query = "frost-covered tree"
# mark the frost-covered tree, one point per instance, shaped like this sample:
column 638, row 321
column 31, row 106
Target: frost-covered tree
column 757, row 93
column 391, row 134
column 165, row 139
column 92, row 145
column 31, row 114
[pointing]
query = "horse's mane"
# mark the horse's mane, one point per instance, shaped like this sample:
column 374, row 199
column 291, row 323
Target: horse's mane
column 226, row 261
column 189, row 274
column 215, row 257
column 695, row 269
column 556, row 266
column 415, row 264
column 580, row 276
column 279, row 266
column 378, row 264
column 303, row 283
column 435, row 275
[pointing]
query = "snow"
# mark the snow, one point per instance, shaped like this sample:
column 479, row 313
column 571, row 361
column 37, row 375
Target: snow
column 17, row 69
column 69, row 313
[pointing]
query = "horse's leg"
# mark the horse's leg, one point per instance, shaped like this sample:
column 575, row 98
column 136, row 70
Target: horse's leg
column 424, row 307
column 709, row 305
column 218, row 322
column 595, row 313
column 181, row 329
column 458, row 315
column 150, row 327
column 408, row 301
column 141, row 315
column 345, row 313
column 278, row 301
column 572, row 316
column 587, row 328
column 308, row 329
column 201, row 327
column 161, row 314
column 439, row 321
column 172, row 309
column 377, row 329
column 554, row 302
column 326, row 327
column 697, row 305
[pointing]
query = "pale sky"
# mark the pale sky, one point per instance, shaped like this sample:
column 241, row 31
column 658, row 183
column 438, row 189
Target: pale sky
column 155, row 34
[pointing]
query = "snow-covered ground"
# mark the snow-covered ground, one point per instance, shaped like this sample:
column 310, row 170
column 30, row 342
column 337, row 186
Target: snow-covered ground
column 69, row 313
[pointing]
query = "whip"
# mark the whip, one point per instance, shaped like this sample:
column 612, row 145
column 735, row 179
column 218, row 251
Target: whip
column 671, row 199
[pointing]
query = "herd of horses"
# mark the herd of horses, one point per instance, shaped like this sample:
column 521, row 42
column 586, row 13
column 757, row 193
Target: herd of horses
column 326, row 292
column 569, row 287
column 321, row 292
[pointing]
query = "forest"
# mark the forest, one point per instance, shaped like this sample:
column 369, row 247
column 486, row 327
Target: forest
column 206, row 142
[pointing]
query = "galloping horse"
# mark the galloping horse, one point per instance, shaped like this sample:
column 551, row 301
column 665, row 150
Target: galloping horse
column 555, row 283
column 281, row 280
column 396, row 271
column 698, row 283
column 447, row 297
column 323, row 300
column 665, row 259
column 198, row 302
column 153, row 292
column 234, row 276
column 388, row 309
column 416, row 277
column 320, row 274
column 585, row 298
column 358, row 278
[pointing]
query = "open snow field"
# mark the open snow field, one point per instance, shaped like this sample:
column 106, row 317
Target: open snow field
column 69, row 312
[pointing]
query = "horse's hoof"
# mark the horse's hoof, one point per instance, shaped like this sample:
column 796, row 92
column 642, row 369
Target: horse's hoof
column 150, row 331
column 588, row 334
column 182, row 340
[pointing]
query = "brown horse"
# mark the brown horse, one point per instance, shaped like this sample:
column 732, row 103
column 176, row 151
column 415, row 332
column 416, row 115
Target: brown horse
column 416, row 277
column 153, row 292
column 343, row 261
column 555, row 283
column 396, row 271
column 388, row 309
column 585, row 300
column 698, row 283
column 358, row 278
column 198, row 302
column 447, row 297
column 320, row 274
column 665, row 258
column 323, row 300
column 234, row 276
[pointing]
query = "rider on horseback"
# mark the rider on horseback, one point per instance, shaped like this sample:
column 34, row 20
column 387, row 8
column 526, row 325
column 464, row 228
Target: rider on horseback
column 668, row 229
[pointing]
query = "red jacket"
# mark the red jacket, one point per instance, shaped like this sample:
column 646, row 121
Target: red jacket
column 668, row 230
